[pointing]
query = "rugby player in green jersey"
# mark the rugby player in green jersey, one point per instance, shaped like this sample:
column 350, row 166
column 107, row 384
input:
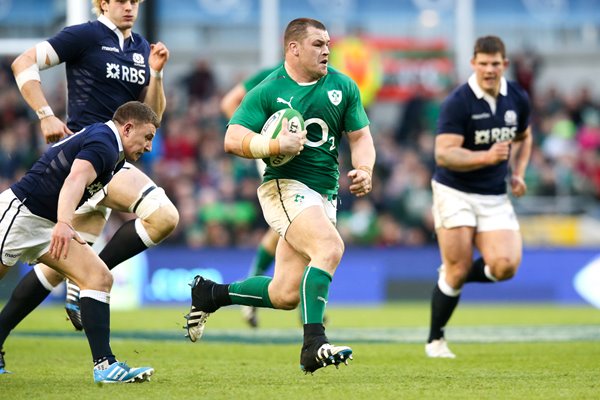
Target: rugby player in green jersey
column 299, row 199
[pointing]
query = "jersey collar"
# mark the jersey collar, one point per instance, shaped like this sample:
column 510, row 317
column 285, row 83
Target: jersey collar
column 115, row 130
column 110, row 25
column 479, row 93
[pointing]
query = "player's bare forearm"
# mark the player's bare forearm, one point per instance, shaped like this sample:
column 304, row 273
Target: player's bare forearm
column 82, row 174
column 155, row 96
column 450, row 154
column 362, row 152
column 460, row 159
column 521, row 152
column 234, row 138
column 32, row 89
column 362, row 149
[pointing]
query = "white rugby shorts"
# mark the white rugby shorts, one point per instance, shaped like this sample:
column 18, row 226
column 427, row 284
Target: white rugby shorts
column 23, row 236
column 453, row 208
column 282, row 200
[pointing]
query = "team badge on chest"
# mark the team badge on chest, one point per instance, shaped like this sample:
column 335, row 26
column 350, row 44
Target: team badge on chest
column 335, row 96
column 510, row 117
column 138, row 60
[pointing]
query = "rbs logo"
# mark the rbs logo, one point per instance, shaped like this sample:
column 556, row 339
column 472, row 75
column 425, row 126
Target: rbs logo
column 503, row 134
column 124, row 73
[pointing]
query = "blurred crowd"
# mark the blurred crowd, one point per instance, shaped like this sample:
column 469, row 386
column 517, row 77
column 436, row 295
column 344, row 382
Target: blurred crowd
column 216, row 192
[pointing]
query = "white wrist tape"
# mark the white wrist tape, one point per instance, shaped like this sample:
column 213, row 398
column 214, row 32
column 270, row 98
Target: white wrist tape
column 45, row 55
column 155, row 73
column 44, row 112
column 31, row 73
column 259, row 146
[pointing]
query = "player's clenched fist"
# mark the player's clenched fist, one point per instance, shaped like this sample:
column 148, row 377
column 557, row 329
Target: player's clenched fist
column 498, row 152
column 290, row 143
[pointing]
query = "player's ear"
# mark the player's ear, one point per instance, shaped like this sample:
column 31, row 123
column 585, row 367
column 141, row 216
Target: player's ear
column 127, row 128
column 293, row 46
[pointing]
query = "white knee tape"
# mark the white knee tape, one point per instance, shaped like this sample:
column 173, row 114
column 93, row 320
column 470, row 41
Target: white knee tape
column 141, row 231
column 42, row 278
column 151, row 199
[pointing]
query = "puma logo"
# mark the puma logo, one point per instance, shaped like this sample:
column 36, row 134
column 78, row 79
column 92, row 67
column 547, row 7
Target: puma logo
column 289, row 103
column 321, row 299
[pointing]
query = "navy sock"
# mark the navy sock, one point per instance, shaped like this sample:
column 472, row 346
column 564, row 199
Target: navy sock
column 477, row 272
column 442, row 307
column 95, row 318
column 124, row 244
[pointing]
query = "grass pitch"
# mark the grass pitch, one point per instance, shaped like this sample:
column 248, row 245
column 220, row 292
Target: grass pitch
column 503, row 352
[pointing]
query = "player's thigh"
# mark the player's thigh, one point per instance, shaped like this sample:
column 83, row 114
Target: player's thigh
column 313, row 235
column 90, row 223
column 269, row 240
column 456, row 246
column 501, row 249
column 125, row 187
column 53, row 277
column 83, row 266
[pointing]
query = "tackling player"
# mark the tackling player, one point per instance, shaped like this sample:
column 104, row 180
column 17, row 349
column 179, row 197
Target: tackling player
column 37, row 216
column 107, row 65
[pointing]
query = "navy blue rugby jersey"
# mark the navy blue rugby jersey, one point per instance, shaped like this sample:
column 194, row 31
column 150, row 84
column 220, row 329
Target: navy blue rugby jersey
column 104, row 70
column 465, row 112
column 99, row 144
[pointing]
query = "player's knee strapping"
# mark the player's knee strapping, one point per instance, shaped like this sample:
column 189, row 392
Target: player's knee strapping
column 151, row 199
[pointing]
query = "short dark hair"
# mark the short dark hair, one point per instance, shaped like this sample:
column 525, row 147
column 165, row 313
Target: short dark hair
column 489, row 45
column 296, row 29
column 136, row 111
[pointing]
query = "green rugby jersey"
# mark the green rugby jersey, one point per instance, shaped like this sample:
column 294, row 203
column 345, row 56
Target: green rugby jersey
column 329, row 106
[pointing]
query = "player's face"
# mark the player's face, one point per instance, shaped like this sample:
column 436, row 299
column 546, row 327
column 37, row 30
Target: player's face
column 137, row 140
column 489, row 68
column 122, row 13
column 314, row 53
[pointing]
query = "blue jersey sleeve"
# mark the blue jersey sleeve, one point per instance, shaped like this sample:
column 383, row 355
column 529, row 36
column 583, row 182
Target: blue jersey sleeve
column 525, row 110
column 71, row 42
column 100, row 152
column 454, row 116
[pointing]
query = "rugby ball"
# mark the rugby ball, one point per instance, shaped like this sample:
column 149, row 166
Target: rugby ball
column 272, row 127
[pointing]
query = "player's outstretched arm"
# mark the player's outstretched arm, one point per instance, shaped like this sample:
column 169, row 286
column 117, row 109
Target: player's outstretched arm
column 26, row 71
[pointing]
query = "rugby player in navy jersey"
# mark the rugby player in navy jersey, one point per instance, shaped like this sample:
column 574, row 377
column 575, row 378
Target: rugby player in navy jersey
column 37, row 215
column 107, row 65
column 483, row 127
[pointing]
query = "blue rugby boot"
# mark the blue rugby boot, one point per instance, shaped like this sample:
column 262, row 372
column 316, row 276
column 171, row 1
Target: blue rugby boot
column 119, row 372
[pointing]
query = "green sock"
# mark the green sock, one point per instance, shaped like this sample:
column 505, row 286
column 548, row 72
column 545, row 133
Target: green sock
column 314, row 293
column 262, row 262
column 253, row 291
